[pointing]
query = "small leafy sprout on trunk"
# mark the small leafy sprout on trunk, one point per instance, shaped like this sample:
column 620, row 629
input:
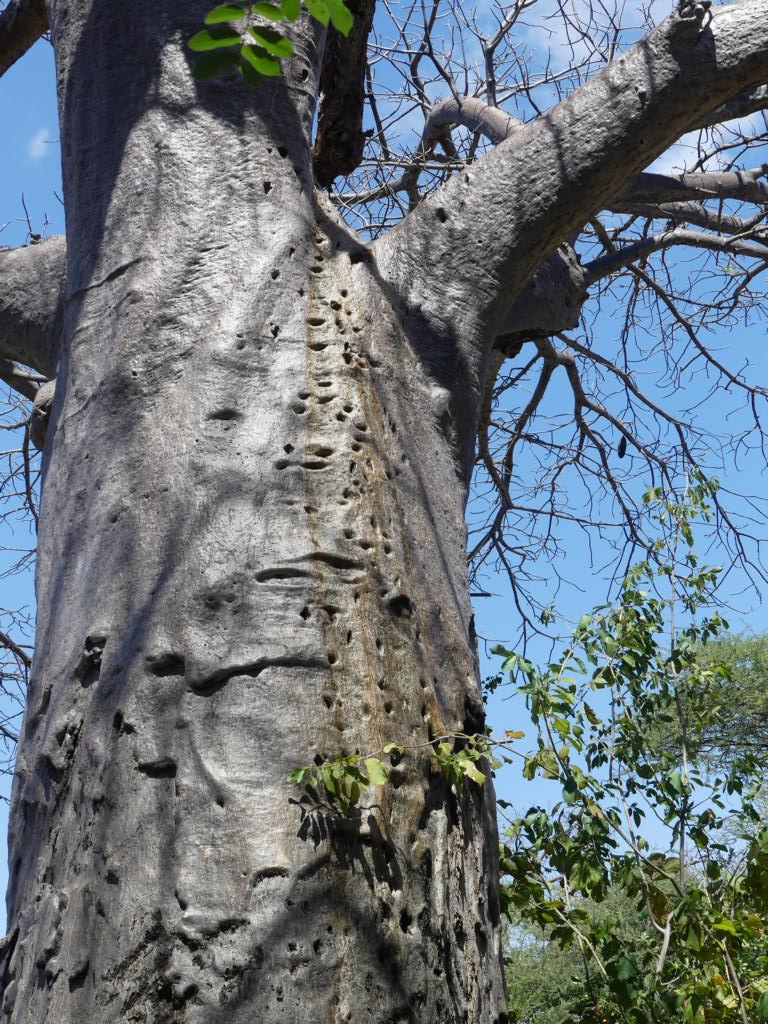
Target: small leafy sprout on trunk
column 237, row 38
column 342, row 779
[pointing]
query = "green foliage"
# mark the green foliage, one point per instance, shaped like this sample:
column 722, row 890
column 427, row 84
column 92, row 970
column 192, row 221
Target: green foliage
column 342, row 780
column 237, row 38
column 649, row 936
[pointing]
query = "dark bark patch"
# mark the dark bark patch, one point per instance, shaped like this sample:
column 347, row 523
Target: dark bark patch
column 77, row 978
column 225, row 414
column 163, row 768
column 400, row 605
column 166, row 663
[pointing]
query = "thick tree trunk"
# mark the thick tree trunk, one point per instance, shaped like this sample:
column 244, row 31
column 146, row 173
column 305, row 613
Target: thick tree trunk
column 251, row 553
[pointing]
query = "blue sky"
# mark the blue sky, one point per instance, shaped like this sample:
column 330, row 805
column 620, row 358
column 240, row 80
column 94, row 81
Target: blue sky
column 30, row 169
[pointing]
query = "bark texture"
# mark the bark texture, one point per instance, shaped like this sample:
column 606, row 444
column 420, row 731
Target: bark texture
column 251, row 538
column 22, row 22
column 251, row 553
column 31, row 303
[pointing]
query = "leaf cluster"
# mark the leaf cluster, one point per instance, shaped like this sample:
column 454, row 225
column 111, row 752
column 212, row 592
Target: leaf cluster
column 245, row 39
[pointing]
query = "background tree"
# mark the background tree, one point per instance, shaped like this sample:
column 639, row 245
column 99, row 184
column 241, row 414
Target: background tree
column 650, row 869
column 252, row 522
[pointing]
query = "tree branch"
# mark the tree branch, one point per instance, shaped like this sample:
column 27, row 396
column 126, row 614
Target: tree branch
column 670, row 188
column 340, row 137
column 31, row 291
column 22, row 23
column 488, row 227
column 611, row 262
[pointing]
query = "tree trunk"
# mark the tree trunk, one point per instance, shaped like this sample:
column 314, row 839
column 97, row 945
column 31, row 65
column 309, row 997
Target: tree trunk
column 251, row 553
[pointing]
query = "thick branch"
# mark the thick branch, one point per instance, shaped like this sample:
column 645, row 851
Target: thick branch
column 483, row 233
column 31, row 290
column 670, row 188
column 22, row 23
column 491, row 122
column 340, row 137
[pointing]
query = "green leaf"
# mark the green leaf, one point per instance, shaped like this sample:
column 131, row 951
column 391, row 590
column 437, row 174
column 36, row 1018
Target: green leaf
column 213, row 39
column 212, row 64
column 762, row 1006
column 271, row 40
column 675, row 780
column 472, row 771
column 319, row 10
column 251, row 76
column 224, row 12
column 376, row 771
column 290, row 9
column 268, row 11
column 260, row 60
column 341, row 16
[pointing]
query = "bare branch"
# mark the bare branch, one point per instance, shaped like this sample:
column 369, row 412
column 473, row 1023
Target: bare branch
column 611, row 262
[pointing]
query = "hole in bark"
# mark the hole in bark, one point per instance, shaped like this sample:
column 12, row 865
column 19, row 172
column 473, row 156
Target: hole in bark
column 315, row 321
column 401, row 605
column 379, row 644
column 168, row 663
column 340, row 416
column 305, row 613
column 359, row 256
column 382, row 684
column 332, row 658
column 318, row 346
column 112, row 878
column 120, row 725
column 328, row 701
column 275, row 330
column 224, row 414
column 287, row 448
column 274, row 275
column 282, row 464
column 267, row 187
column 319, row 759
column 299, row 408
column 441, row 214
column 317, row 946
column 164, row 768
column 282, row 151
column 77, row 980
column 182, row 902
column 219, row 800
column 405, row 921
column 388, row 706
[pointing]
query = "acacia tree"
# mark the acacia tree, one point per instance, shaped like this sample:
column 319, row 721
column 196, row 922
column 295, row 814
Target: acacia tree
column 252, row 543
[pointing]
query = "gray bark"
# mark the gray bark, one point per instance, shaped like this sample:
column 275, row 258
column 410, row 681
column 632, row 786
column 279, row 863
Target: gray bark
column 251, row 551
column 252, row 540
column 22, row 22
column 31, row 301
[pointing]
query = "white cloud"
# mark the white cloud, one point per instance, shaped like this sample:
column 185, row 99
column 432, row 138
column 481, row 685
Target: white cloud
column 37, row 147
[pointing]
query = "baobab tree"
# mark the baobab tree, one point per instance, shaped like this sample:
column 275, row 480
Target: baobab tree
column 252, row 548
